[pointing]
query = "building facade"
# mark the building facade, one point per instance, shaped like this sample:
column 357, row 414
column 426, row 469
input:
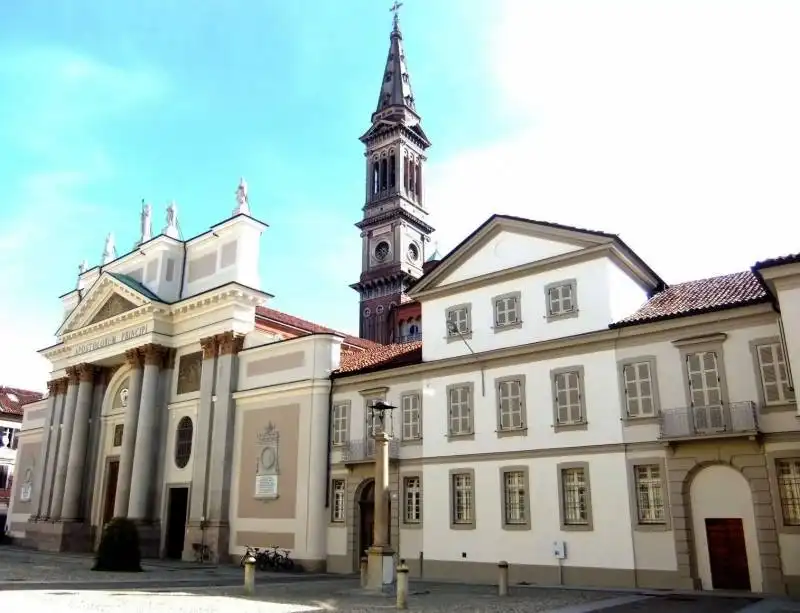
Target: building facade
column 563, row 408
column 12, row 401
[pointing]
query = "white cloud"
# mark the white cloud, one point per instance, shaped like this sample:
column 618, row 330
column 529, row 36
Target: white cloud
column 670, row 122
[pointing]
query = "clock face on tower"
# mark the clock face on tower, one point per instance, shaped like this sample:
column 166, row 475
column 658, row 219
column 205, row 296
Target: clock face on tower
column 413, row 252
column 268, row 458
column 381, row 251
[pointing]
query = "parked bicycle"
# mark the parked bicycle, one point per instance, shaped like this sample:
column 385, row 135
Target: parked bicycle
column 280, row 558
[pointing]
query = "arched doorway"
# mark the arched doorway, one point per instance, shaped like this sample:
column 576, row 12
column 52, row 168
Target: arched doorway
column 365, row 521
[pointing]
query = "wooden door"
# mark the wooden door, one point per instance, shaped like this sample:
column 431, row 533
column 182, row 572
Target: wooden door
column 367, row 527
column 112, row 472
column 727, row 554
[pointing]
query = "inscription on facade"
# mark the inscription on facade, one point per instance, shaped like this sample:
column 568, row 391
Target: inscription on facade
column 190, row 367
column 112, row 339
column 266, row 485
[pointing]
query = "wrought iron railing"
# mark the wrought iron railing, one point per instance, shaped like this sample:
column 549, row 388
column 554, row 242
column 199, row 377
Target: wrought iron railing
column 407, row 338
column 362, row 450
column 699, row 421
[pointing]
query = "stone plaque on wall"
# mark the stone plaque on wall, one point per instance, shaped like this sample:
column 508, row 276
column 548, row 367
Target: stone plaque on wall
column 266, row 482
column 190, row 367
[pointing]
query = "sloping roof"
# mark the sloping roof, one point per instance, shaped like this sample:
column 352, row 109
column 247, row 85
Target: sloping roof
column 792, row 258
column 309, row 327
column 380, row 357
column 702, row 296
column 12, row 399
column 136, row 286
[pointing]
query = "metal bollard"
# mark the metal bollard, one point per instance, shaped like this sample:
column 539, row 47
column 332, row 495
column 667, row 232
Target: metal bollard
column 364, row 577
column 402, row 586
column 250, row 576
column 502, row 582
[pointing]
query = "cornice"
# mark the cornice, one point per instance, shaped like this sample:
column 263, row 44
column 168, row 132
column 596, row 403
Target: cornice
column 304, row 385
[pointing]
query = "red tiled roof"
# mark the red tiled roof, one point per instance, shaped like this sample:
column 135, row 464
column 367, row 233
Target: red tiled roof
column 792, row 258
column 310, row 327
column 381, row 356
column 12, row 399
column 702, row 296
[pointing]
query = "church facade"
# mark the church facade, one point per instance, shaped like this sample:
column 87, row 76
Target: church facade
column 563, row 408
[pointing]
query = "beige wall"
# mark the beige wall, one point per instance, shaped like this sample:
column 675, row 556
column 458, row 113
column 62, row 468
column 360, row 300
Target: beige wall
column 28, row 456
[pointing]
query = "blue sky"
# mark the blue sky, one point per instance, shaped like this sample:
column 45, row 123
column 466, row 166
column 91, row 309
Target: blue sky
column 672, row 124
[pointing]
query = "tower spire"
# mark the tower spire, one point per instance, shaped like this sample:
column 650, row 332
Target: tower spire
column 396, row 87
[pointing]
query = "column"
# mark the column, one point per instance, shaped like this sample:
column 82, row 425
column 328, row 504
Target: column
column 36, row 502
column 76, row 464
column 219, row 470
column 165, row 396
column 197, row 506
column 63, row 445
column 134, row 359
column 381, row 523
column 145, row 451
column 52, row 450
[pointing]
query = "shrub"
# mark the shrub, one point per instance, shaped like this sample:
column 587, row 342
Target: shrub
column 119, row 547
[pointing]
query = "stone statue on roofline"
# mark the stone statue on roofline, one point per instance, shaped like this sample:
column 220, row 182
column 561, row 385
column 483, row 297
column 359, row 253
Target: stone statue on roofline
column 147, row 223
column 171, row 229
column 110, row 251
column 242, row 199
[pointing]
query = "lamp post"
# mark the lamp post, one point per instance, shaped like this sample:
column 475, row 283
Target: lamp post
column 380, row 560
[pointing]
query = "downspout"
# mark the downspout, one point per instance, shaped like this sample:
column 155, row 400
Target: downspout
column 330, row 444
column 183, row 271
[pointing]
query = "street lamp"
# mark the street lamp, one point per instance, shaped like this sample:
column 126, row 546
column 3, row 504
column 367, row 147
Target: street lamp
column 379, row 411
column 380, row 561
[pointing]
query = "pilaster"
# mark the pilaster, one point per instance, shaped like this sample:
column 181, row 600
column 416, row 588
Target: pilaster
column 67, row 423
column 52, row 447
column 145, row 453
column 36, row 503
column 165, row 396
column 221, row 457
column 134, row 359
column 77, row 448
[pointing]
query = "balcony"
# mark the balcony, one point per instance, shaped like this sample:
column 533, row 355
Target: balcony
column 715, row 421
column 358, row 451
column 408, row 338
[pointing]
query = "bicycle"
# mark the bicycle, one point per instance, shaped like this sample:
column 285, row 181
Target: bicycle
column 250, row 552
column 202, row 552
column 280, row 559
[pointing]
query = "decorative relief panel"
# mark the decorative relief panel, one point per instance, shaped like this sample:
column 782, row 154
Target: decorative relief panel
column 116, row 305
column 190, row 367
column 268, row 469
column 121, row 397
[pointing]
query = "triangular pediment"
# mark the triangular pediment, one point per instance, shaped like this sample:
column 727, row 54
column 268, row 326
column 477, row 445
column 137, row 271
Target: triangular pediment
column 504, row 243
column 110, row 296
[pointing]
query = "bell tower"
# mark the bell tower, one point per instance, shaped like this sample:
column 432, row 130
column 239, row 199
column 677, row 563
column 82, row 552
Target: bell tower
column 394, row 230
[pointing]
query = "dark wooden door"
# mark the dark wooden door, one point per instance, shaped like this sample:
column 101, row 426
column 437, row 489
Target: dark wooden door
column 177, row 510
column 367, row 527
column 727, row 554
column 111, row 491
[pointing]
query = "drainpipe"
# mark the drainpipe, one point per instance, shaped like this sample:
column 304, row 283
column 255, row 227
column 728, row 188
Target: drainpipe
column 330, row 445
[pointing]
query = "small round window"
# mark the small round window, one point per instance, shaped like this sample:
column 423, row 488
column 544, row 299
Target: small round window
column 183, row 442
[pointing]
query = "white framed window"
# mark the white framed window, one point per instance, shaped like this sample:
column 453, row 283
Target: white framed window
column 639, row 389
column 516, row 511
column 568, row 397
column 459, row 401
column 788, row 475
column 650, row 501
column 510, row 402
column 575, row 496
column 463, row 511
column 339, row 423
column 338, row 510
column 774, row 374
column 411, row 417
column 561, row 299
column 458, row 321
column 507, row 310
column 413, row 500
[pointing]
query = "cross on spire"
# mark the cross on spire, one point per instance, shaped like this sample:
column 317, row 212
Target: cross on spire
column 396, row 10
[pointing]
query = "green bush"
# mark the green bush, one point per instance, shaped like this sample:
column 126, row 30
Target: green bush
column 119, row 547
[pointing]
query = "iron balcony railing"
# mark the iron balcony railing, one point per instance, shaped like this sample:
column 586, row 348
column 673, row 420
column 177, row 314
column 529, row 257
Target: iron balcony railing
column 713, row 420
column 407, row 338
column 364, row 450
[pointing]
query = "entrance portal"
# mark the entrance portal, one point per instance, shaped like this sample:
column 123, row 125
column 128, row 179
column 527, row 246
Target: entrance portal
column 177, row 510
column 112, row 473
column 366, row 520
column 727, row 554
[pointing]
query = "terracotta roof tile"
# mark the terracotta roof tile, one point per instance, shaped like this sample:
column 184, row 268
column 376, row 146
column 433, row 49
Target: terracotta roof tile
column 702, row 296
column 791, row 258
column 310, row 327
column 12, row 399
column 381, row 356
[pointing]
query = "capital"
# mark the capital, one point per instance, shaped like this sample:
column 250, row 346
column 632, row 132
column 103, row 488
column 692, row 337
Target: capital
column 153, row 355
column 72, row 375
column 209, row 345
column 134, row 358
column 86, row 373
column 61, row 385
column 52, row 387
column 230, row 343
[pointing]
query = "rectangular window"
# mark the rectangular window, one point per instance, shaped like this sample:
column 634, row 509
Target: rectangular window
column 650, row 494
column 639, row 393
column 568, row 398
column 458, row 321
column 789, row 489
column 705, row 391
column 506, row 310
column 575, row 493
column 339, row 508
column 515, row 496
column 561, row 299
column 411, row 417
column 462, row 498
column 510, row 404
column 339, row 424
column 118, row 430
column 413, row 500
column 774, row 374
column 459, row 400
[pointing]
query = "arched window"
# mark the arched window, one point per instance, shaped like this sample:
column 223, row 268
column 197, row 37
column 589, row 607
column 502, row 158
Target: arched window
column 375, row 178
column 419, row 181
column 392, row 171
column 183, row 442
column 383, row 174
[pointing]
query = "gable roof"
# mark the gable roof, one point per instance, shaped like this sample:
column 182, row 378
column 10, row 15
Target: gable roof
column 136, row 286
column 12, row 399
column 701, row 296
column 308, row 327
column 568, row 234
column 379, row 357
column 792, row 258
